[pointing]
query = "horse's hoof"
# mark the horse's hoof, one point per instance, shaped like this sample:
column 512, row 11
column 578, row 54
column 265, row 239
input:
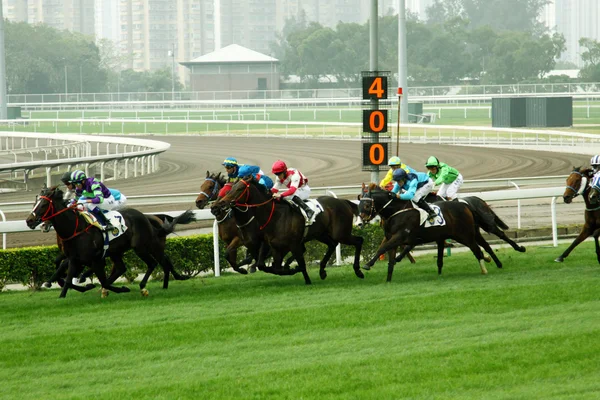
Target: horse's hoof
column 252, row 269
column 125, row 289
column 242, row 271
column 323, row 275
column 82, row 279
column 366, row 267
column 484, row 272
column 90, row 286
column 104, row 293
column 185, row 277
column 487, row 258
column 359, row 274
column 46, row 285
column 61, row 282
column 522, row 249
column 144, row 292
column 559, row 259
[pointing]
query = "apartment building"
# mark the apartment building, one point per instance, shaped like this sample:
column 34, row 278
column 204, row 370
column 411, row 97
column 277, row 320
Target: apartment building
column 159, row 33
column 73, row 15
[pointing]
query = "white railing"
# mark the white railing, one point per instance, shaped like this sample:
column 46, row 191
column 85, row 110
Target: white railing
column 143, row 150
column 541, row 88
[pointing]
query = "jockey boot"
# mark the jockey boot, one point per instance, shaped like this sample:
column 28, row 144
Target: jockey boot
column 427, row 208
column 102, row 219
column 300, row 203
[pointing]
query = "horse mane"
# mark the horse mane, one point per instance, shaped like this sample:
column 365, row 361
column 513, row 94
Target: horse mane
column 261, row 188
column 217, row 176
column 588, row 172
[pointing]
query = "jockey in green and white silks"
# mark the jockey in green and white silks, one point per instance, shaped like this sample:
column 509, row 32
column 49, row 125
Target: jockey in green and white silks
column 96, row 197
column 394, row 163
column 442, row 174
column 232, row 167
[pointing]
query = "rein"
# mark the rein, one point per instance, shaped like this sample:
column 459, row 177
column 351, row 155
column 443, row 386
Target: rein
column 373, row 210
column 247, row 192
column 53, row 214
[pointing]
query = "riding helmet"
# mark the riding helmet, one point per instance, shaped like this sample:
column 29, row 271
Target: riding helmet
column 432, row 162
column 595, row 160
column 230, row 162
column 244, row 171
column 394, row 161
column 278, row 167
column 399, row 175
column 66, row 178
column 78, row 176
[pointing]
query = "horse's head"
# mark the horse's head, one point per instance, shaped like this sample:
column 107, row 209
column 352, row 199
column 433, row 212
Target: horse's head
column 367, row 205
column 209, row 189
column 576, row 183
column 46, row 204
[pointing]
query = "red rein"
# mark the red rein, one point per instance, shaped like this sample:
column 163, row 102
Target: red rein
column 50, row 210
column 247, row 191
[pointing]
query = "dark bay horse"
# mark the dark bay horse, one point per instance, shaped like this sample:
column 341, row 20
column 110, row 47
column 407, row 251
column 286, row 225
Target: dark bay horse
column 283, row 228
column 83, row 243
column 403, row 227
column 578, row 184
column 229, row 232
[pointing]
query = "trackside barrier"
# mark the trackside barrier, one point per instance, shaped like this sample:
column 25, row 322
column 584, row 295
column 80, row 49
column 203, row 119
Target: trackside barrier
column 550, row 192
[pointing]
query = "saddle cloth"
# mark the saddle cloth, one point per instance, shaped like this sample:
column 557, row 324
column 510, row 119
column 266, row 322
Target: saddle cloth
column 115, row 218
column 316, row 207
column 439, row 220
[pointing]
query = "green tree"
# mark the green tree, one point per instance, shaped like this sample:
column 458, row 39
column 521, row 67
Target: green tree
column 591, row 58
column 36, row 57
column 148, row 81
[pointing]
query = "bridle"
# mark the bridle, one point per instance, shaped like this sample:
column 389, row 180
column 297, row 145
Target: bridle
column 576, row 191
column 237, row 204
column 373, row 212
column 215, row 189
column 51, row 210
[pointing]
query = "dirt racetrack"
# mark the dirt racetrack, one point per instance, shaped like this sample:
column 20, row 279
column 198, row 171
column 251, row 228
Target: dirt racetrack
column 324, row 162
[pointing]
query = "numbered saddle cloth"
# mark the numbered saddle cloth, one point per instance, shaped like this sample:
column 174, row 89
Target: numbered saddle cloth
column 425, row 222
column 115, row 218
column 316, row 207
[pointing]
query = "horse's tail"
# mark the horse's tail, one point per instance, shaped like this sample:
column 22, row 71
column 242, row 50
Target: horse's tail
column 169, row 223
column 484, row 215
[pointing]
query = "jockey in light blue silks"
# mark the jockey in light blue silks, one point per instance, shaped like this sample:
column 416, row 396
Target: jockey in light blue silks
column 96, row 197
column 264, row 180
column 416, row 187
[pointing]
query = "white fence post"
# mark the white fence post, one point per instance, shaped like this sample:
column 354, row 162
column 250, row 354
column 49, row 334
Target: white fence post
column 216, row 248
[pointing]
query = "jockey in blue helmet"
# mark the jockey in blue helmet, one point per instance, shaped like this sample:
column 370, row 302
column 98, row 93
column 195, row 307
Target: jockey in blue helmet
column 246, row 170
column 416, row 187
column 233, row 167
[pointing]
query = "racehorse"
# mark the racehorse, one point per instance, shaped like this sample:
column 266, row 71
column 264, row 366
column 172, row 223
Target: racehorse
column 578, row 184
column 157, row 221
column 228, row 230
column 83, row 242
column 283, row 228
column 403, row 227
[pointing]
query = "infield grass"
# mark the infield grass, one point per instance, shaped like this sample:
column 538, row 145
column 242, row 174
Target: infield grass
column 528, row 331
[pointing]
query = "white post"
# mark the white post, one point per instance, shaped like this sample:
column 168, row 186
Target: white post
column 216, row 248
column 338, row 249
column 554, row 227
column 518, row 206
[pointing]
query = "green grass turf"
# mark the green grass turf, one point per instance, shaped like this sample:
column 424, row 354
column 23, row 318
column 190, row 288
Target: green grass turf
column 528, row 331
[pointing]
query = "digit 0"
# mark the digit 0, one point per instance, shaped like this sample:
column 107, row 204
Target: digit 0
column 376, row 154
column 376, row 121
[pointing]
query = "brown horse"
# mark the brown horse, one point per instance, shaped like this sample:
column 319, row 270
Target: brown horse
column 229, row 232
column 578, row 184
column 283, row 228
column 403, row 227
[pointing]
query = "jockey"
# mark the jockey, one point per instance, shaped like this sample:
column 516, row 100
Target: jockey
column 416, row 187
column 296, row 185
column 450, row 179
column 394, row 163
column 70, row 192
column 232, row 167
column 264, row 180
column 95, row 196
column 595, row 163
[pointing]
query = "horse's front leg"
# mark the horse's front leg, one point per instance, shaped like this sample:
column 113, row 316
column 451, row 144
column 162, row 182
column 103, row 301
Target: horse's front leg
column 585, row 233
column 394, row 241
column 231, row 255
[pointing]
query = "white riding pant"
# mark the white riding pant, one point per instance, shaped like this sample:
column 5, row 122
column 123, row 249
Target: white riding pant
column 449, row 190
column 423, row 191
column 108, row 204
column 303, row 192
